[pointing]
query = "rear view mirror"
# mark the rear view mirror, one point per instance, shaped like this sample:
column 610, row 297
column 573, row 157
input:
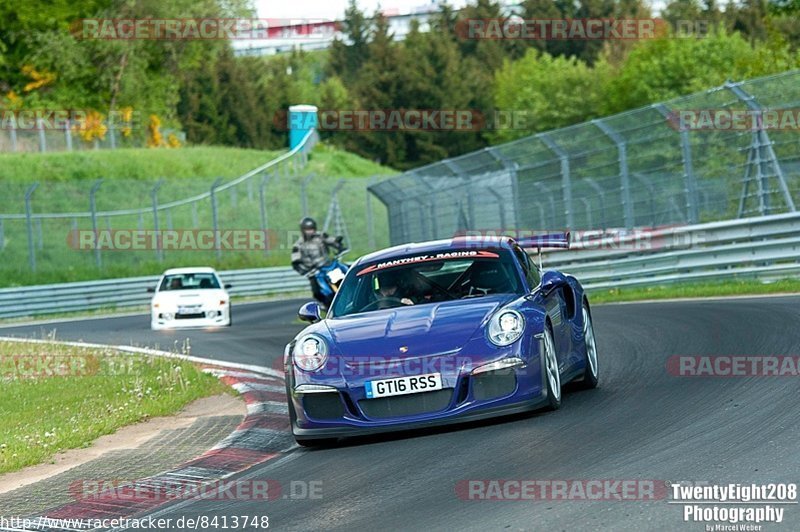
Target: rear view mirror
column 151, row 289
column 309, row 312
column 552, row 280
column 228, row 286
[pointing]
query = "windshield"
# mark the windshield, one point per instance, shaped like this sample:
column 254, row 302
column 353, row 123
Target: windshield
column 189, row 281
column 422, row 279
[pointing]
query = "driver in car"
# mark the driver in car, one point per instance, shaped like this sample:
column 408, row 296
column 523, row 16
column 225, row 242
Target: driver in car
column 389, row 291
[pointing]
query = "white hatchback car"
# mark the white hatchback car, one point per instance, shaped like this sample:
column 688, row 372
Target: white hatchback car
column 190, row 297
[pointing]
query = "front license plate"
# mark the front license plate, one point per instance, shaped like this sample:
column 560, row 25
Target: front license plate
column 403, row 385
column 188, row 310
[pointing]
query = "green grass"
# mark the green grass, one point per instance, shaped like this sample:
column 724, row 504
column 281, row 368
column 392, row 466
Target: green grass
column 129, row 163
column 58, row 397
column 696, row 290
column 129, row 176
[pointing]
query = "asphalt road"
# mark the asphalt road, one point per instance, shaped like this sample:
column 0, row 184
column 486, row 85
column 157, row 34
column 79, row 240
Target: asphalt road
column 642, row 424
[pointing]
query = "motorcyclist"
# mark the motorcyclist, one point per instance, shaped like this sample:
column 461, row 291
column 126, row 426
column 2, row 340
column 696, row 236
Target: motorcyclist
column 312, row 250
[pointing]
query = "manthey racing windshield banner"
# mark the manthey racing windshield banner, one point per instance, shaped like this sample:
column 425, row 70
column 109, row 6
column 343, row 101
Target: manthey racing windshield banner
column 448, row 255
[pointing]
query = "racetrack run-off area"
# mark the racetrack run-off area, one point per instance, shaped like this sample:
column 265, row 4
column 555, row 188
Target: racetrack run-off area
column 644, row 423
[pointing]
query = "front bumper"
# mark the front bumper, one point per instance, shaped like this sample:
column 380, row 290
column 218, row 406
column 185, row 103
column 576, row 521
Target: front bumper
column 444, row 420
column 160, row 320
column 465, row 396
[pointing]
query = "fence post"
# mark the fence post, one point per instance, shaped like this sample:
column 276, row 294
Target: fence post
column 154, row 198
column 513, row 169
column 112, row 139
column 761, row 141
column 214, row 219
column 566, row 181
column 68, row 135
column 42, row 139
column 29, row 223
column 499, row 198
column 263, row 207
column 93, row 210
column 588, row 207
column 625, row 185
column 40, row 233
column 650, row 194
column 689, row 179
column 370, row 218
column 13, row 137
column 601, row 195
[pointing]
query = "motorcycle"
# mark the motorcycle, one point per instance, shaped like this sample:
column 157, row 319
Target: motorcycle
column 329, row 277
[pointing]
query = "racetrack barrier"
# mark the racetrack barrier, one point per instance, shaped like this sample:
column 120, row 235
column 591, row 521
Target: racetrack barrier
column 766, row 247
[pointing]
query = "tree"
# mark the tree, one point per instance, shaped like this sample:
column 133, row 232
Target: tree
column 347, row 57
column 543, row 92
column 667, row 68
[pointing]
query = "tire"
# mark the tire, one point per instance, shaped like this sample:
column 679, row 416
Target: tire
column 591, row 373
column 230, row 315
column 552, row 376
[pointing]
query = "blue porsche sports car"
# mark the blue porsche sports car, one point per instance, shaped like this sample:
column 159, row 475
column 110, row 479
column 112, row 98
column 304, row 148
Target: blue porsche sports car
column 439, row 332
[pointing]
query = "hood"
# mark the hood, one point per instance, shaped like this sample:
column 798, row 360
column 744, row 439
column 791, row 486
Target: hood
column 424, row 329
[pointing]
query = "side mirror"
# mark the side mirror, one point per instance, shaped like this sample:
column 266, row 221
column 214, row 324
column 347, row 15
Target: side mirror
column 552, row 280
column 309, row 312
column 228, row 286
column 151, row 290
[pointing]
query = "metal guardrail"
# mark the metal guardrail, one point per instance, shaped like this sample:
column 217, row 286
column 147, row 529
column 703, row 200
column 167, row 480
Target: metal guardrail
column 766, row 247
column 132, row 292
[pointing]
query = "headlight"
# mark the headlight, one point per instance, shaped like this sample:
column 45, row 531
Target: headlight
column 310, row 352
column 505, row 327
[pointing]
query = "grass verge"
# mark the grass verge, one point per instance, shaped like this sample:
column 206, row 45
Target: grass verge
column 696, row 290
column 130, row 176
column 58, row 397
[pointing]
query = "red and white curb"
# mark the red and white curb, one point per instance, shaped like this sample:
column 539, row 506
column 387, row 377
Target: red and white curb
column 263, row 435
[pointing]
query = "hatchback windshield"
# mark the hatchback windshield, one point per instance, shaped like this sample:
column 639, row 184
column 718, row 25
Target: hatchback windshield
column 421, row 279
column 189, row 281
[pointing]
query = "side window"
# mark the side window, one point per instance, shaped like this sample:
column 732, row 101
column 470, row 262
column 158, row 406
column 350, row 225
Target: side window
column 531, row 271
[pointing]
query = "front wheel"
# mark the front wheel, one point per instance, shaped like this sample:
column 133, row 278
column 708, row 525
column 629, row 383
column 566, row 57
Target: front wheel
column 590, row 374
column 552, row 375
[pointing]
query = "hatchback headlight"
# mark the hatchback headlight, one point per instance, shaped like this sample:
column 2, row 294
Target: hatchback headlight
column 505, row 327
column 310, row 352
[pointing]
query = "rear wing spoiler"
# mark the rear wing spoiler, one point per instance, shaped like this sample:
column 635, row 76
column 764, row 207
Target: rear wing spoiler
column 539, row 242
column 553, row 240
